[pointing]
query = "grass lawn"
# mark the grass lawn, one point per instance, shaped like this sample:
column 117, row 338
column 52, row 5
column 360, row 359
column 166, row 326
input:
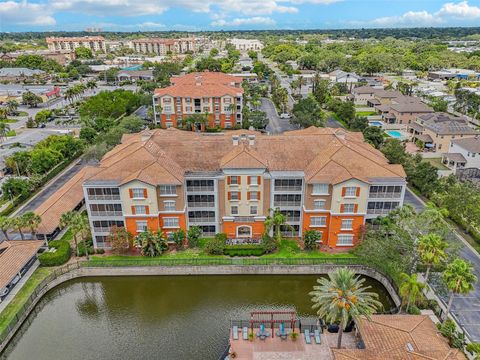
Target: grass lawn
column 8, row 121
column 290, row 249
column 11, row 133
column 21, row 297
column 21, row 113
column 365, row 113
column 437, row 162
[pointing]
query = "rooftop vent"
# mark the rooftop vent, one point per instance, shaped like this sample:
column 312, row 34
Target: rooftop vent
column 235, row 139
column 251, row 140
column 410, row 347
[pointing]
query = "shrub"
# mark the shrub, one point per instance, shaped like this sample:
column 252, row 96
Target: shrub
column 413, row 310
column 244, row 250
column 193, row 234
column 216, row 245
column 81, row 248
column 178, row 238
column 310, row 239
column 59, row 257
column 474, row 348
column 100, row 251
column 268, row 244
column 449, row 330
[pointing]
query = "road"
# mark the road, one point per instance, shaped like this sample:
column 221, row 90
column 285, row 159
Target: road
column 284, row 80
column 465, row 308
column 275, row 124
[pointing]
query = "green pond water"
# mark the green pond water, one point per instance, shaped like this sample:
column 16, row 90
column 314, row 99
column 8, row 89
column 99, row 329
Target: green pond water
column 154, row 317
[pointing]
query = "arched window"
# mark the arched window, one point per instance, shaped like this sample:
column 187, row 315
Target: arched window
column 244, row 231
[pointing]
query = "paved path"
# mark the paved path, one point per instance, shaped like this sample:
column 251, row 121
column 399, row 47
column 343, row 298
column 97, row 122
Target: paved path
column 275, row 124
column 465, row 308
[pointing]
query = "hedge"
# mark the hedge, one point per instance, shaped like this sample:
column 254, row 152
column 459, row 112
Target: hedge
column 59, row 257
column 244, row 250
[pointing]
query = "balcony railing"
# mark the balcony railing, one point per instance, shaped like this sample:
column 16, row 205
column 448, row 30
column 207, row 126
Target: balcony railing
column 394, row 195
column 103, row 197
column 293, row 219
column 102, row 229
column 379, row 211
column 201, row 220
column 201, row 204
column 288, row 188
column 200, row 188
column 287, row 203
column 106, row 213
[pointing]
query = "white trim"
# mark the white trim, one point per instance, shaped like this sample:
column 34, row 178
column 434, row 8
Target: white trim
column 247, row 226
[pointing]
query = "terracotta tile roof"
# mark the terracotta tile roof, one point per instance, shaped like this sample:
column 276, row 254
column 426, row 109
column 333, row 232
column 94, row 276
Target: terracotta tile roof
column 207, row 77
column 13, row 256
column 387, row 337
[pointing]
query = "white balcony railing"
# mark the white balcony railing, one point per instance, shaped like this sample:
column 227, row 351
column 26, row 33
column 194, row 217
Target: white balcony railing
column 103, row 197
column 106, row 213
column 200, row 204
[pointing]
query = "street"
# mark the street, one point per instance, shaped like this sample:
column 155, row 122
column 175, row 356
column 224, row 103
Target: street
column 275, row 124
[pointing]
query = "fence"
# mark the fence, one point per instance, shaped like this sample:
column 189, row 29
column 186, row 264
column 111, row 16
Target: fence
column 32, row 300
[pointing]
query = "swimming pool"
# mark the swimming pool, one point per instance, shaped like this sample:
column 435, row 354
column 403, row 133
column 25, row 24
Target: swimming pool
column 396, row 134
column 375, row 123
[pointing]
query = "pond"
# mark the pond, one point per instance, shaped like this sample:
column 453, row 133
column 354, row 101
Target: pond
column 154, row 317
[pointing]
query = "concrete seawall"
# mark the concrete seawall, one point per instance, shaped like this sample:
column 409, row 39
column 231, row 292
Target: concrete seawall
column 200, row 270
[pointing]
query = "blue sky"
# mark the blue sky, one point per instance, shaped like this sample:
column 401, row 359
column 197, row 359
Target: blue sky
column 191, row 15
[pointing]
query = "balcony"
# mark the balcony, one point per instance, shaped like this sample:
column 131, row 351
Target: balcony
column 201, row 204
column 201, row 220
column 286, row 203
column 106, row 213
column 379, row 211
column 386, row 195
column 290, row 219
column 103, row 197
column 206, row 188
column 288, row 188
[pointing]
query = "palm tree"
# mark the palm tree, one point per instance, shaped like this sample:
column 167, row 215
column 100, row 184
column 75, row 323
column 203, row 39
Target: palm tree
column 12, row 106
column 4, row 129
column 301, row 82
column 432, row 251
column 82, row 225
column 409, row 289
column 341, row 297
column 19, row 224
column 32, row 221
column 275, row 221
column 68, row 220
column 3, row 113
column 5, row 225
column 459, row 278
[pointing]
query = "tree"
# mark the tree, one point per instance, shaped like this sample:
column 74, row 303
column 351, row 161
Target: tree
column 151, row 244
column 193, row 235
column 4, row 129
column 341, row 297
column 12, row 106
column 431, row 249
column 360, row 123
column 178, row 238
column 311, row 238
column 409, row 289
column 321, row 90
column 258, row 119
column 16, row 187
column 394, row 151
column 32, row 221
column 30, row 99
column 68, row 220
column 42, row 116
column 374, row 135
column 275, row 221
column 82, row 226
column 44, row 159
column 5, row 225
column 19, row 223
column 439, row 105
column 120, row 239
column 88, row 134
column 459, row 278
column 307, row 112
column 83, row 53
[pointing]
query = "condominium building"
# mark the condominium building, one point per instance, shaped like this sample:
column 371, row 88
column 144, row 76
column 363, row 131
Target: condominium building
column 322, row 179
column 94, row 43
column 246, row 44
column 164, row 46
column 218, row 96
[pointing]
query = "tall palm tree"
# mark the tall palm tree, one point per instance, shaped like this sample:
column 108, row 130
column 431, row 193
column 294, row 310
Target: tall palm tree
column 5, row 225
column 301, row 82
column 19, row 223
column 32, row 221
column 275, row 221
column 409, row 289
column 3, row 113
column 459, row 279
column 82, row 225
column 341, row 297
column 68, row 220
column 4, row 129
column 432, row 251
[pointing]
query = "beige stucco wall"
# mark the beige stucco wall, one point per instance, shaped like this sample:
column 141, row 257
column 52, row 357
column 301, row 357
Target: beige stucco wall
column 150, row 201
column 309, row 198
column 243, row 204
column 361, row 200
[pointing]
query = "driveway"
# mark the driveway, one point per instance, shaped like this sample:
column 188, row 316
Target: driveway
column 275, row 124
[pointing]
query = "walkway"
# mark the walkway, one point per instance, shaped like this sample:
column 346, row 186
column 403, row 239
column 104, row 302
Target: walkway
column 465, row 308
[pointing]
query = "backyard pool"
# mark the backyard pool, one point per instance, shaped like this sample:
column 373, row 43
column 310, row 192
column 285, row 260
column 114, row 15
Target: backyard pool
column 375, row 123
column 396, row 134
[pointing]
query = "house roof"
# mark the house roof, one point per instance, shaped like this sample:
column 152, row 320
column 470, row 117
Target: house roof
column 364, row 90
column 391, row 336
column 412, row 106
column 77, row 38
column 20, row 72
column 445, row 124
column 455, row 157
column 470, row 144
column 136, row 72
column 13, row 256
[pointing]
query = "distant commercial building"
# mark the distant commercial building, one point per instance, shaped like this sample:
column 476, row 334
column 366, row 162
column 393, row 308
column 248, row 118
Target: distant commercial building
column 164, row 46
column 135, row 75
column 246, row 44
column 19, row 74
column 461, row 74
column 94, row 43
column 216, row 95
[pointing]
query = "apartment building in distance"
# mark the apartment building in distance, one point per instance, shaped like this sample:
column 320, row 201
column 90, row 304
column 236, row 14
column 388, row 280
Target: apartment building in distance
column 323, row 179
column 94, row 43
column 246, row 44
column 163, row 47
column 216, row 95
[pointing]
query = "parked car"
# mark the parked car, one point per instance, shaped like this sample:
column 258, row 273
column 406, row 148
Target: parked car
column 285, row 116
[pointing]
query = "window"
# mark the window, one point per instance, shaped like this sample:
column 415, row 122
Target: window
column 287, row 200
column 140, row 209
column 253, row 180
column 138, row 193
column 142, row 226
column 351, row 191
column 347, row 224
column 319, row 204
column 318, row 221
column 288, row 184
column 234, row 195
column 169, row 205
column 234, row 180
column 345, row 240
column 253, row 195
column 170, row 222
column 234, row 210
column 166, row 190
column 320, row 189
column 348, row 208
column 253, row 210
column 244, row 231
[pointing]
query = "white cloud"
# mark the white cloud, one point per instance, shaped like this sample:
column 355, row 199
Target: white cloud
column 24, row 13
column 148, row 25
column 461, row 10
column 256, row 20
column 411, row 18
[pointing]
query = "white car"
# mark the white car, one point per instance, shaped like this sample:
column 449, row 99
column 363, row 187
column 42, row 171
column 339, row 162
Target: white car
column 285, row 116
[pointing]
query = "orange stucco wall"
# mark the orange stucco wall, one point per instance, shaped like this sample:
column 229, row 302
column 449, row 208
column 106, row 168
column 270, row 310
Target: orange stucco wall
column 130, row 223
column 324, row 230
column 181, row 221
column 230, row 228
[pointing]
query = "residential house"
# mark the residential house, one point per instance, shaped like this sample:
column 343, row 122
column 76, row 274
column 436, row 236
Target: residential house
column 362, row 94
column 463, row 154
column 340, row 76
column 216, row 95
column 323, row 179
column 438, row 130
